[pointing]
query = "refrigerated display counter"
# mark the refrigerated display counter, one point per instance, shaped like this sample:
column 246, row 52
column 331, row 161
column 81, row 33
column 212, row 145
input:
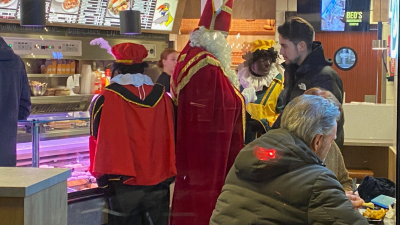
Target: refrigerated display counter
column 57, row 141
column 60, row 140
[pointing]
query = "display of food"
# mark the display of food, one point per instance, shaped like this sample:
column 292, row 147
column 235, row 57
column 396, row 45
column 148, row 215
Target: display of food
column 69, row 4
column 50, row 92
column 60, row 124
column 35, row 83
column 6, row 2
column 81, row 180
column 37, row 88
column 374, row 214
column 62, row 92
column 115, row 6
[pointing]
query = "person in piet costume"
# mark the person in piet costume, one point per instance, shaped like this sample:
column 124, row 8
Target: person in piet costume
column 132, row 149
column 210, row 117
column 261, row 84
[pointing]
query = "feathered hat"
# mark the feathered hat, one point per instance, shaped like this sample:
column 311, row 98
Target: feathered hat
column 127, row 53
column 219, row 20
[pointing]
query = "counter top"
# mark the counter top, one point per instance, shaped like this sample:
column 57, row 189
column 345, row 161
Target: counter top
column 368, row 142
column 25, row 181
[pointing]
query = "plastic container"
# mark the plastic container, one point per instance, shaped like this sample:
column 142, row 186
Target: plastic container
column 97, row 82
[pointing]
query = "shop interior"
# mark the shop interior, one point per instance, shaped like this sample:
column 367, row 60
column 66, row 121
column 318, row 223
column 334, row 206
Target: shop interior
column 66, row 72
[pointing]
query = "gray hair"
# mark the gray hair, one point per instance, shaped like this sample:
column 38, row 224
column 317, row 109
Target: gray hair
column 307, row 116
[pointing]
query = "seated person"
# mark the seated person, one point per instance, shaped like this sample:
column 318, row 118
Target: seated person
column 334, row 160
column 280, row 178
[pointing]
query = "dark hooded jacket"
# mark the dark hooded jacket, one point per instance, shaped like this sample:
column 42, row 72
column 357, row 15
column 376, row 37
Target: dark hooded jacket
column 15, row 103
column 315, row 71
column 291, row 186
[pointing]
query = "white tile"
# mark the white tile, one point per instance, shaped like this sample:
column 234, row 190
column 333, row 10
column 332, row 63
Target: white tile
column 292, row 5
column 390, row 91
column 279, row 18
column 373, row 121
column 281, row 5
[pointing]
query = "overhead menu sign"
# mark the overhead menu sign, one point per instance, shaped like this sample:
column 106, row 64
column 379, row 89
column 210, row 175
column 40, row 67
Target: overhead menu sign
column 64, row 11
column 156, row 15
column 146, row 8
column 92, row 12
column 8, row 9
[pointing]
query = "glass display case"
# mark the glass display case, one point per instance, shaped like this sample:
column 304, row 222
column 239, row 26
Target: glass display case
column 57, row 141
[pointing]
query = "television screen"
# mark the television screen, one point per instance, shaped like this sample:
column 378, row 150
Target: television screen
column 310, row 10
column 333, row 15
column 357, row 15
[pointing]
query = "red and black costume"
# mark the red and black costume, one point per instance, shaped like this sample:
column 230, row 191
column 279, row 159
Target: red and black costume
column 132, row 149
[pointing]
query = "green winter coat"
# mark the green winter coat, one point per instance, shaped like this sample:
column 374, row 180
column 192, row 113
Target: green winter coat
column 277, row 179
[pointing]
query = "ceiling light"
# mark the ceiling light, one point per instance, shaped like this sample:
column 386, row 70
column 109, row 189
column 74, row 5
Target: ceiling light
column 130, row 22
column 33, row 13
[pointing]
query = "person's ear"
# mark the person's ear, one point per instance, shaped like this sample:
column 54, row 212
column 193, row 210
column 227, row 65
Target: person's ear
column 301, row 47
column 317, row 143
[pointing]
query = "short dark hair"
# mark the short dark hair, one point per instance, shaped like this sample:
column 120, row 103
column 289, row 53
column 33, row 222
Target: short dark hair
column 297, row 29
column 121, row 68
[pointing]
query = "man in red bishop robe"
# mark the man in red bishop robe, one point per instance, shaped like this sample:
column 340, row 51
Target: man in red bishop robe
column 210, row 117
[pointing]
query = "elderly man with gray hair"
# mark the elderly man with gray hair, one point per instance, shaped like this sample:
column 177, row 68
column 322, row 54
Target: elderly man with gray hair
column 281, row 178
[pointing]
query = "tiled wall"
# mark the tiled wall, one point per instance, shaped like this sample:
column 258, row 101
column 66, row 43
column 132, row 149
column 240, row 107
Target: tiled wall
column 281, row 7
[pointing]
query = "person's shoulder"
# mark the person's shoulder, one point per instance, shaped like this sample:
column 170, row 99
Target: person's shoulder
column 328, row 71
column 195, row 53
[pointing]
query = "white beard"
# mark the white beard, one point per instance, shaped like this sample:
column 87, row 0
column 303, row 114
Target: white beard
column 215, row 43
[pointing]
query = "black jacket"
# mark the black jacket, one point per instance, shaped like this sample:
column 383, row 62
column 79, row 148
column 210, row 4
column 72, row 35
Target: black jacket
column 291, row 187
column 164, row 79
column 315, row 71
column 15, row 103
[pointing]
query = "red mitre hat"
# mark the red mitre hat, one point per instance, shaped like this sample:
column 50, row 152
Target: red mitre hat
column 217, row 20
column 129, row 53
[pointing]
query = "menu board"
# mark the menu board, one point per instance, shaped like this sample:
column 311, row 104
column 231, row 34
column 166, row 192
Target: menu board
column 64, row 11
column 92, row 12
column 113, row 9
column 155, row 14
column 146, row 8
column 8, row 9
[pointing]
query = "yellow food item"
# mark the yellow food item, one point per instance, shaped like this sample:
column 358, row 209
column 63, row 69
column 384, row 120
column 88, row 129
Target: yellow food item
column 369, row 204
column 375, row 214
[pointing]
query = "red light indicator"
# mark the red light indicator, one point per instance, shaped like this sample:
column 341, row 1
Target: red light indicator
column 265, row 154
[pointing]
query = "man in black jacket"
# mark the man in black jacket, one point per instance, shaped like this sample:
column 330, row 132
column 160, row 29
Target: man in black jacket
column 306, row 66
column 15, row 102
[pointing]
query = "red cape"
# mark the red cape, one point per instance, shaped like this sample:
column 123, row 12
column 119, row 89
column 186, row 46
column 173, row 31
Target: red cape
column 210, row 134
column 134, row 137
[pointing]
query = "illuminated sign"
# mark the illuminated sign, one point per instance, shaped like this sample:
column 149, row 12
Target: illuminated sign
column 164, row 15
column 394, row 28
column 57, row 55
column 357, row 15
column 354, row 18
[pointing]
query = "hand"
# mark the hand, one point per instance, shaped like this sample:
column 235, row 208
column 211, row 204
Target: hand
column 355, row 199
column 249, row 95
